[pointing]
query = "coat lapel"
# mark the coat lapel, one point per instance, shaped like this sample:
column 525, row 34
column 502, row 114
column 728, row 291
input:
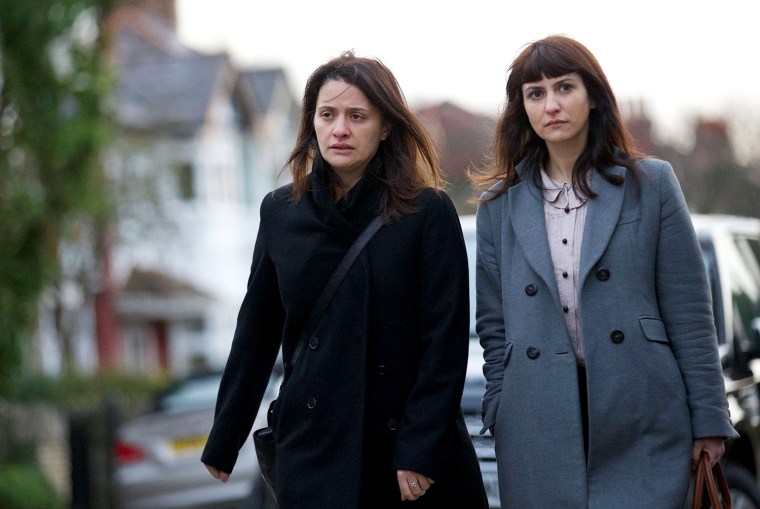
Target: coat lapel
column 526, row 217
column 601, row 219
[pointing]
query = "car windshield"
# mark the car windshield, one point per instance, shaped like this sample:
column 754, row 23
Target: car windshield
column 190, row 394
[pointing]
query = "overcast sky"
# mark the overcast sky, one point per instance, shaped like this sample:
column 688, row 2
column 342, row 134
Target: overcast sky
column 682, row 58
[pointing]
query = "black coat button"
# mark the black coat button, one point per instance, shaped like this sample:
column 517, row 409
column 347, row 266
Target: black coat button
column 313, row 343
column 533, row 352
column 531, row 290
column 602, row 274
column 617, row 336
column 392, row 424
column 311, row 403
column 381, row 370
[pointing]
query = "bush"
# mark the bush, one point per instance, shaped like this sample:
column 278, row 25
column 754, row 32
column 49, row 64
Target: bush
column 24, row 487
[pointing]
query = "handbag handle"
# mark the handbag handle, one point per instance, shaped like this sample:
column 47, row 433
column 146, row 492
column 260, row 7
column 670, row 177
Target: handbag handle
column 332, row 286
column 709, row 484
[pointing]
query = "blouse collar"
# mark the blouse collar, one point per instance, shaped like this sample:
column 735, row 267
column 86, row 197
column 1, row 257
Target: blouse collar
column 559, row 194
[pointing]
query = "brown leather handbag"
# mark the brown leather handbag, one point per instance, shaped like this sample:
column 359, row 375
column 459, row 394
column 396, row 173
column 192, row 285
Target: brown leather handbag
column 710, row 486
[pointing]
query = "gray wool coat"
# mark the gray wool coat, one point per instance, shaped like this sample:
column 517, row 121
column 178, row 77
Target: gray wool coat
column 654, row 379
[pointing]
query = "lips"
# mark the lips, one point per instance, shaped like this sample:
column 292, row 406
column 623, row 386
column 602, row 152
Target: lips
column 555, row 123
column 341, row 146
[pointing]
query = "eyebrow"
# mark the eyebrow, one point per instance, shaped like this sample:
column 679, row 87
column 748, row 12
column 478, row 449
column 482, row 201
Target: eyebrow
column 350, row 109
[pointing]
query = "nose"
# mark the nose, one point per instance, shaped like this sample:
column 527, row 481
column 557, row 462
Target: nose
column 340, row 127
column 552, row 102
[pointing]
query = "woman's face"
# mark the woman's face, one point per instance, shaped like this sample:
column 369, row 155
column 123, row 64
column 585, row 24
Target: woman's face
column 349, row 129
column 558, row 109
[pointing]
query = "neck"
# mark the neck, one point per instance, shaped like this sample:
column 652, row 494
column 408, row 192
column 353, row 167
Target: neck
column 561, row 162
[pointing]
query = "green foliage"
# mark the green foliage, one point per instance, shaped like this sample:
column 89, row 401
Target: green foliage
column 83, row 393
column 24, row 487
column 54, row 82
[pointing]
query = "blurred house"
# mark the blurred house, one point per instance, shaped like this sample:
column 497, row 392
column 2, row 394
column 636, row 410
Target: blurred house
column 711, row 178
column 464, row 141
column 199, row 143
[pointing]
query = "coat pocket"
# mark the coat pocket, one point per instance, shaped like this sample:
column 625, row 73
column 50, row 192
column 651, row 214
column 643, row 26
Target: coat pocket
column 654, row 329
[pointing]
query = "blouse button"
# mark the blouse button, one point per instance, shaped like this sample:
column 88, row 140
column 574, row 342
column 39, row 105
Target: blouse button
column 565, row 309
column 564, row 241
column 564, row 274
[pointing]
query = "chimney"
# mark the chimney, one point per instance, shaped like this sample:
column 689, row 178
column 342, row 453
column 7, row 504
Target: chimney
column 166, row 9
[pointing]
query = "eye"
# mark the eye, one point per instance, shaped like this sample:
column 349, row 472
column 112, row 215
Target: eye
column 357, row 116
column 566, row 87
column 534, row 93
column 325, row 114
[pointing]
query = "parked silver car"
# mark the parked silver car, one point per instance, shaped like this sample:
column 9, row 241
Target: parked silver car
column 157, row 455
column 731, row 250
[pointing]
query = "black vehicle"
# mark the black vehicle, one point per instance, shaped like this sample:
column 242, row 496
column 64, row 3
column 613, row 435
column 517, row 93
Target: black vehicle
column 731, row 250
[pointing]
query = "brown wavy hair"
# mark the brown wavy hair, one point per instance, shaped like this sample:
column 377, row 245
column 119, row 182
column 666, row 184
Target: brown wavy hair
column 609, row 142
column 409, row 156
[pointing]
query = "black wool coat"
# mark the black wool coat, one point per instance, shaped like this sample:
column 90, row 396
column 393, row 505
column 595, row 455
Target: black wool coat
column 379, row 384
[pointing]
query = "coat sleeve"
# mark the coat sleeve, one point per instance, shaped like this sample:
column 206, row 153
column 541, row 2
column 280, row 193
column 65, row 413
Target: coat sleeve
column 685, row 304
column 252, row 356
column 489, row 308
column 435, row 398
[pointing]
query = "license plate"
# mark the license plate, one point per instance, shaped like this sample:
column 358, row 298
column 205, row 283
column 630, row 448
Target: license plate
column 188, row 445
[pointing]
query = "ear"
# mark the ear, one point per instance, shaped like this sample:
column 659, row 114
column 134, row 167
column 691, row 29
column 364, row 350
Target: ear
column 386, row 132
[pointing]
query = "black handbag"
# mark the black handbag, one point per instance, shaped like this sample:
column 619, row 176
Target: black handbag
column 264, row 443
column 263, row 438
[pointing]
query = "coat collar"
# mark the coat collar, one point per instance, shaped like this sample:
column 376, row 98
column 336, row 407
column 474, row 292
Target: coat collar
column 601, row 218
column 526, row 215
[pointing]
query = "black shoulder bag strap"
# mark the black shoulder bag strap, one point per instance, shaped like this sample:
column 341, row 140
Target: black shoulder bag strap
column 332, row 286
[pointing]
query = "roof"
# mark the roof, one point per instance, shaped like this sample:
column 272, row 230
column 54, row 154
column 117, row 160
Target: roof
column 168, row 92
column 162, row 84
column 151, row 294
column 263, row 83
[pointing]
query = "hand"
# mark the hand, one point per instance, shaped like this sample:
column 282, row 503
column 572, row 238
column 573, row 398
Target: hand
column 218, row 474
column 714, row 447
column 412, row 485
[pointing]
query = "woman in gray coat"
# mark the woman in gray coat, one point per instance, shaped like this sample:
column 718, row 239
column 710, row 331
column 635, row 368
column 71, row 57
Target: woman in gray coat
column 369, row 416
column 593, row 307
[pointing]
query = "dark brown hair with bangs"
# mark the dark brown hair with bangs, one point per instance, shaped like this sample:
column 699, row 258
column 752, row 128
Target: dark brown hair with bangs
column 609, row 142
column 408, row 154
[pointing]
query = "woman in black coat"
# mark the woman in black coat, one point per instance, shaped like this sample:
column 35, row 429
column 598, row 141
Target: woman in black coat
column 369, row 415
